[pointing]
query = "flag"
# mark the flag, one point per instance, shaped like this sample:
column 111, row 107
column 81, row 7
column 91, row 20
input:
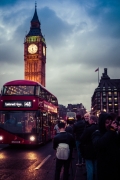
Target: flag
column 97, row 70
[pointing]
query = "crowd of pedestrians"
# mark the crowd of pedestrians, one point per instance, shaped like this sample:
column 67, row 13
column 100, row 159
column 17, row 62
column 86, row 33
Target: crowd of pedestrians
column 97, row 141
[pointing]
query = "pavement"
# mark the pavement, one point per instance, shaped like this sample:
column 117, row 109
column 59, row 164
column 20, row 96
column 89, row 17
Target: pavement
column 76, row 172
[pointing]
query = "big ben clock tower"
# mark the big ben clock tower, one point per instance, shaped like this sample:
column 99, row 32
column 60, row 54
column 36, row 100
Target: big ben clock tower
column 35, row 52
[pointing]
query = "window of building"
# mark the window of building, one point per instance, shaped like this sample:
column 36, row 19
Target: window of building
column 115, row 93
column 109, row 93
column 98, row 93
column 109, row 99
column 104, row 93
column 110, row 110
column 104, row 106
column 115, row 99
column 98, row 106
column 104, row 99
column 98, row 100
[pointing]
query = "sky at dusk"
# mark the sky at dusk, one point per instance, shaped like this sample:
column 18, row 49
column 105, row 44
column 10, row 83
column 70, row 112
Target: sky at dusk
column 80, row 35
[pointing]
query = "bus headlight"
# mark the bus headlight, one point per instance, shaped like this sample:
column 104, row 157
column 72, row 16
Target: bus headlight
column 1, row 138
column 32, row 138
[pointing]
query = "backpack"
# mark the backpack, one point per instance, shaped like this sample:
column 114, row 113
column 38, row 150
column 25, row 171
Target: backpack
column 63, row 151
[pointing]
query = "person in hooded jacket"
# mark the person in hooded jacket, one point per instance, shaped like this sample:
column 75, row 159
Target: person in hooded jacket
column 87, row 148
column 78, row 129
column 105, row 141
column 118, row 131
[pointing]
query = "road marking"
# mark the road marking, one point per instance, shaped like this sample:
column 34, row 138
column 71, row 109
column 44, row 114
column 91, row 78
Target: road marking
column 42, row 162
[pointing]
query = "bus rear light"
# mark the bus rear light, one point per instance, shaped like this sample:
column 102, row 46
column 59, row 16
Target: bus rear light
column 1, row 138
column 32, row 138
column 33, row 100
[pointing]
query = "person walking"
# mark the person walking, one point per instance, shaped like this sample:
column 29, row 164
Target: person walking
column 78, row 129
column 56, row 128
column 67, row 138
column 69, row 127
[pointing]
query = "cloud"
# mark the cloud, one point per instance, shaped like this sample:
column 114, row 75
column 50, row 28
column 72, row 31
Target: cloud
column 80, row 35
column 7, row 2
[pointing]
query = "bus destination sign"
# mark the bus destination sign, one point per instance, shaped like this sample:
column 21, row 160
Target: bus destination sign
column 18, row 104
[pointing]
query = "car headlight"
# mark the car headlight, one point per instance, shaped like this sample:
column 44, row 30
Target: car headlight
column 32, row 138
column 1, row 138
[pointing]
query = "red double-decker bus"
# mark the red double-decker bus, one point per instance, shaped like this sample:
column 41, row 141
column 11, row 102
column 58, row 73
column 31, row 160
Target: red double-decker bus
column 28, row 113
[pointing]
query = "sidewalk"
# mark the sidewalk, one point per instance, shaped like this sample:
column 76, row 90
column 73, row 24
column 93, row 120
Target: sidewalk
column 77, row 173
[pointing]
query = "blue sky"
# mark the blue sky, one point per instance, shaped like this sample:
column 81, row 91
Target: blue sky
column 81, row 36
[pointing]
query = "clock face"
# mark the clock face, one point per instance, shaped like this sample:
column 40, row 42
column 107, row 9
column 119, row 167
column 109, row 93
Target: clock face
column 44, row 50
column 32, row 49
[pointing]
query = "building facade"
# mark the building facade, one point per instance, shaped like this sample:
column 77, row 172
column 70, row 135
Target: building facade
column 106, row 96
column 35, row 52
column 77, row 108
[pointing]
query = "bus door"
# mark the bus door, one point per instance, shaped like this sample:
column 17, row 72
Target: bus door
column 50, row 123
column 39, row 125
column 46, row 127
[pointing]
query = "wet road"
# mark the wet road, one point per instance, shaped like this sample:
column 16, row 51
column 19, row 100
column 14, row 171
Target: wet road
column 26, row 163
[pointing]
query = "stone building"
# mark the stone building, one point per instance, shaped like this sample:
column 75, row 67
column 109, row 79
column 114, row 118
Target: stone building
column 106, row 96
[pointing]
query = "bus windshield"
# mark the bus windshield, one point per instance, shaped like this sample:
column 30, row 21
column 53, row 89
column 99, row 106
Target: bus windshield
column 18, row 121
column 71, row 115
column 18, row 90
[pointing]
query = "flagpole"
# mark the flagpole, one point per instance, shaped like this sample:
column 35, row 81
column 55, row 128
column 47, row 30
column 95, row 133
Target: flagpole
column 98, row 76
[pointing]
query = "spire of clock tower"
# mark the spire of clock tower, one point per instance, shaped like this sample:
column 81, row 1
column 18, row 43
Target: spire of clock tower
column 35, row 25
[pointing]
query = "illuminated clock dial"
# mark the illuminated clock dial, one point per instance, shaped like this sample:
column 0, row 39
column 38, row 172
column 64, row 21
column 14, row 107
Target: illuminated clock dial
column 32, row 49
column 44, row 50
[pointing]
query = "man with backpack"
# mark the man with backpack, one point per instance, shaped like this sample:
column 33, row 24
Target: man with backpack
column 63, row 143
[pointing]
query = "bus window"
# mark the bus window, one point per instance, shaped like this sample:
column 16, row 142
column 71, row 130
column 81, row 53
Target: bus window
column 37, row 90
column 42, row 93
column 54, row 100
column 45, row 119
column 18, row 90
